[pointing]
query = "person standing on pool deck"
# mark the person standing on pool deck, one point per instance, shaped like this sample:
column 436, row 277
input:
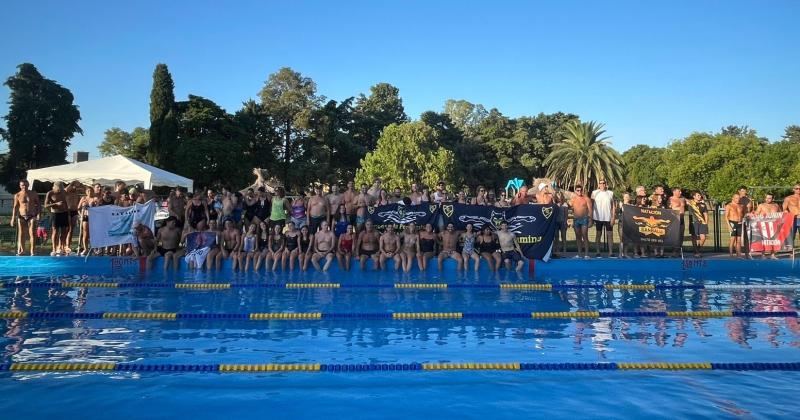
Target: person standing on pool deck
column 176, row 206
column 603, row 213
column 766, row 208
column 733, row 213
column 56, row 200
column 698, row 226
column 792, row 205
column 367, row 245
column 363, row 200
column 25, row 213
column 509, row 247
column 349, row 200
column 747, row 208
column 581, row 212
column 318, row 210
column 280, row 207
column 334, row 199
column 678, row 203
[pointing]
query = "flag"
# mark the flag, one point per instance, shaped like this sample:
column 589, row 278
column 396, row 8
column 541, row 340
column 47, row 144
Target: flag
column 651, row 226
column 113, row 225
column 771, row 232
column 399, row 215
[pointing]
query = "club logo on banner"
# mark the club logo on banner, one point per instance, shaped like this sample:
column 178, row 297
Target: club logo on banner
column 399, row 214
column 113, row 225
column 771, row 232
column 533, row 224
column 651, row 226
column 199, row 240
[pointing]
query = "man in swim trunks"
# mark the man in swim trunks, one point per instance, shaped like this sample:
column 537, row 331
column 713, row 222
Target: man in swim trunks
column 747, row 208
column 581, row 210
column 367, row 245
column 509, row 247
column 349, row 198
column 792, row 205
column 416, row 196
column 678, row 204
column 25, row 214
column 375, row 190
column 604, row 211
column 56, row 201
column 324, row 243
column 769, row 206
column 334, row 198
column 698, row 218
column 73, row 198
column 449, row 240
column 733, row 213
column 389, row 246
column 168, row 239
column 176, row 206
column 363, row 200
column 231, row 240
column 318, row 210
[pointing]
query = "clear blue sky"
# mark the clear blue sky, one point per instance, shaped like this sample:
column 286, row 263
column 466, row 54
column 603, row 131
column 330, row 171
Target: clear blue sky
column 651, row 71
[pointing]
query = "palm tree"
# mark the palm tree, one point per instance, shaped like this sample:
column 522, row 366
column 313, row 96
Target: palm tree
column 584, row 157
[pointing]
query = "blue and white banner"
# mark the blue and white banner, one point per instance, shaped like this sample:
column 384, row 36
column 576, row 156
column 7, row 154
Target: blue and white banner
column 113, row 225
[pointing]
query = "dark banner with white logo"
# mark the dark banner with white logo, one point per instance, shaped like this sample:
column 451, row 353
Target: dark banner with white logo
column 771, row 232
column 651, row 226
column 399, row 215
column 533, row 224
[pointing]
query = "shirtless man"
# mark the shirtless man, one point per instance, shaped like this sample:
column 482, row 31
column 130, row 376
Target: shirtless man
column 678, row 204
column 389, row 245
column 416, row 196
column 230, row 238
column 509, row 247
column 367, row 244
column 581, row 210
column 792, row 205
column 73, row 198
column 733, row 213
column 363, row 200
column 766, row 208
column 56, row 201
column 349, row 198
column 25, row 214
column 167, row 240
column 449, row 240
column 324, row 242
column 176, row 206
column 228, row 204
column 335, row 198
column 375, row 190
column 318, row 209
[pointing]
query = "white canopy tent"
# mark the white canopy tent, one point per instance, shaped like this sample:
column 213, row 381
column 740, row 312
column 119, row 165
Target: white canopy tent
column 109, row 170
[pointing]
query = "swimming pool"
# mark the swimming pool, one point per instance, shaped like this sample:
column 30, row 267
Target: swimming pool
column 377, row 364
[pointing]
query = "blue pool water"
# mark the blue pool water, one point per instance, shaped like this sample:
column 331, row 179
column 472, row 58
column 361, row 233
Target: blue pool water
column 470, row 394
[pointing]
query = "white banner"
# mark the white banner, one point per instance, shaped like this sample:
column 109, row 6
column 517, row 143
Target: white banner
column 113, row 225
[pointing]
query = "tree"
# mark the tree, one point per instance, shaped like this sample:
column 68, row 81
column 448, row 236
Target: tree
column 211, row 150
column 41, row 121
column 262, row 143
column 792, row 134
column 290, row 100
column 163, row 120
column 120, row 142
column 374, row 112
column 338, row 152
column 643, row 166
column 465, row 115
column 447, row 133
column 584, row 157
column 407, row 153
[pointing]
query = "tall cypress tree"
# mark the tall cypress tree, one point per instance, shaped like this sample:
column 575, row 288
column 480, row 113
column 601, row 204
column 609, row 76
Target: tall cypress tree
column 41, row 121
column 163, row 119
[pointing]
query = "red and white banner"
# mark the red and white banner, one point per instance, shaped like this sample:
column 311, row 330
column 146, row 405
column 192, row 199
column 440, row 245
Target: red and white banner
column 771, row 232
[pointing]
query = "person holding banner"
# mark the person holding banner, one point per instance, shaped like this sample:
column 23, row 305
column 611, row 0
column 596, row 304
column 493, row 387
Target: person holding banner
column 791, row 204
column 509, row 246
column 768, row 207
column 656, row 202
column 698, row 218
column 581, row 220
column 733, row 214
column 678, row 204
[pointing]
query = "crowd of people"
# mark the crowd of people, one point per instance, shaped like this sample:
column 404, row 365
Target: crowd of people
column 256, row 229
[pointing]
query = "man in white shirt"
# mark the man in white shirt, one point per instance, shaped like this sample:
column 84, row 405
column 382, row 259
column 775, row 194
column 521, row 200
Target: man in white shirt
column 603, row 214
column 440, row 194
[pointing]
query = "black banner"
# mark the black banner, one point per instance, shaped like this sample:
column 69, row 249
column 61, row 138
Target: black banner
column 651, row 226
column 399, row 215
column 533, row 224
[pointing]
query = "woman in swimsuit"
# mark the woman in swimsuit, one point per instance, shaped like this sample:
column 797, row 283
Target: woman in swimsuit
column 468, row 251
column 340, row 221
column 410, row 248
column 427, row 241
column 488, row 246
column 305, row 239
column 87, row 201
column 292, row 245
column 265, row 254
column 248, row 249
column 277, row 247
column 344, row 251
column 299, row 215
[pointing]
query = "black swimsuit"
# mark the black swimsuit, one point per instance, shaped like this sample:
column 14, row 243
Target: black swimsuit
column 426, row 245
column 196, row 214
column 304, row 244
column 488, row 247
column 291, row 242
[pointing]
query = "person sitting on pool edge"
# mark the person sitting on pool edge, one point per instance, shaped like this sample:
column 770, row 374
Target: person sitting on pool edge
column 509, row 246
column 367, row 246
